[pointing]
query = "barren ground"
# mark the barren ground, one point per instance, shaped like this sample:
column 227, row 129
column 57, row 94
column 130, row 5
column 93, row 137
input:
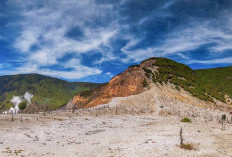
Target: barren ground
column 145, row 125
column 121, row 135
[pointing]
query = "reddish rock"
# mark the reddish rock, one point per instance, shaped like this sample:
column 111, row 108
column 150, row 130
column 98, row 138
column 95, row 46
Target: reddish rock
column 130, row 82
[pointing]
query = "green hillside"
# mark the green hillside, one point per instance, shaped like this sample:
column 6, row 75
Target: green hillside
column 192, row 81
column 219, row 79
column 48, row 91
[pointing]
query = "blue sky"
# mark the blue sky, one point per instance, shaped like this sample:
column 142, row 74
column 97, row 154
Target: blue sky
column 93, row 40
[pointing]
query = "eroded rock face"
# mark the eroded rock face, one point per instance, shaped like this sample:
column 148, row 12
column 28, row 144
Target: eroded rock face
column 125, row 84
column 77, row 102
column 130, row 82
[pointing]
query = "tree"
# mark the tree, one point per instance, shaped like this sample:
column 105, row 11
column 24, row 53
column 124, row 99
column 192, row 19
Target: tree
column 22, row 105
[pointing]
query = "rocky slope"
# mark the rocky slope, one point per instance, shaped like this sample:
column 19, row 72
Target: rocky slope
column 125, row 84
column 140, row 78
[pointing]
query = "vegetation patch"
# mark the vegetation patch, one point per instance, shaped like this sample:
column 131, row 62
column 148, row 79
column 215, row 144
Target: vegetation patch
column 184, row 77
column 134, row 66
column 86, row 93
column 187, row 146
column 148, row 72
column 178, row 88
column 219, row 81
column 145, row 84
column 186, row 120
column 22, row 105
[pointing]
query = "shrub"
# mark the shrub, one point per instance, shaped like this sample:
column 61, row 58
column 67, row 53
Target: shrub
column 145, row 84
column 22, row 105
column 148, row 72
column 178, row 88
column 86, row 93
column 223, row 117
column 9, row 105
column 223, row 121
column 186, row 146
column 186, row 120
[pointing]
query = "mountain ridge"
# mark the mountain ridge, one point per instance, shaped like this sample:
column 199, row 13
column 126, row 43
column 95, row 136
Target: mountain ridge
column 138, row 78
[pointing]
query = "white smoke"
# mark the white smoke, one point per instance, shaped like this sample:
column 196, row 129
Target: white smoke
column 28, row 97
column 13, row 110
column 16, row 100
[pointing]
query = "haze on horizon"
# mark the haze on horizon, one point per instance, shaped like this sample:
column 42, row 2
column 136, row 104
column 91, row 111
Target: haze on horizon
column 93, row 40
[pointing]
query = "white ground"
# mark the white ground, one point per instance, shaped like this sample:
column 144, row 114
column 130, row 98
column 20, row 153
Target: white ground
column 109, row 136
column 146, row 125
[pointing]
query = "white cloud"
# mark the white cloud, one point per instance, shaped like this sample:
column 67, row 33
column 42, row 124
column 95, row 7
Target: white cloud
column 44, row 42
column 227, row 60
column 28, row 37
column 78, row 70
column 181, row 41
column 109, row 74
column 168, row 4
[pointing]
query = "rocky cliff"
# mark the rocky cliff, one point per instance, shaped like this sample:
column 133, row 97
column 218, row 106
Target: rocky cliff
column 129, row 82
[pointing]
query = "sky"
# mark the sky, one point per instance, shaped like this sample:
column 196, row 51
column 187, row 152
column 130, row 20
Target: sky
column 93, row 40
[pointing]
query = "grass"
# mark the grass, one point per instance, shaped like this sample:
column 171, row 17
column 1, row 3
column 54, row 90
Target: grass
column 186, row 120
column 187, row 146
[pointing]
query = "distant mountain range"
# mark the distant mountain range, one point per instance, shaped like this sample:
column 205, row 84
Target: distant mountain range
column 208, row 85
column 48, row 91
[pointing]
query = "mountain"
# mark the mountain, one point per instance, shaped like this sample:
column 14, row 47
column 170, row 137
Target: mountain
column 219, row 79
column 155, row 71
column 48, row 91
